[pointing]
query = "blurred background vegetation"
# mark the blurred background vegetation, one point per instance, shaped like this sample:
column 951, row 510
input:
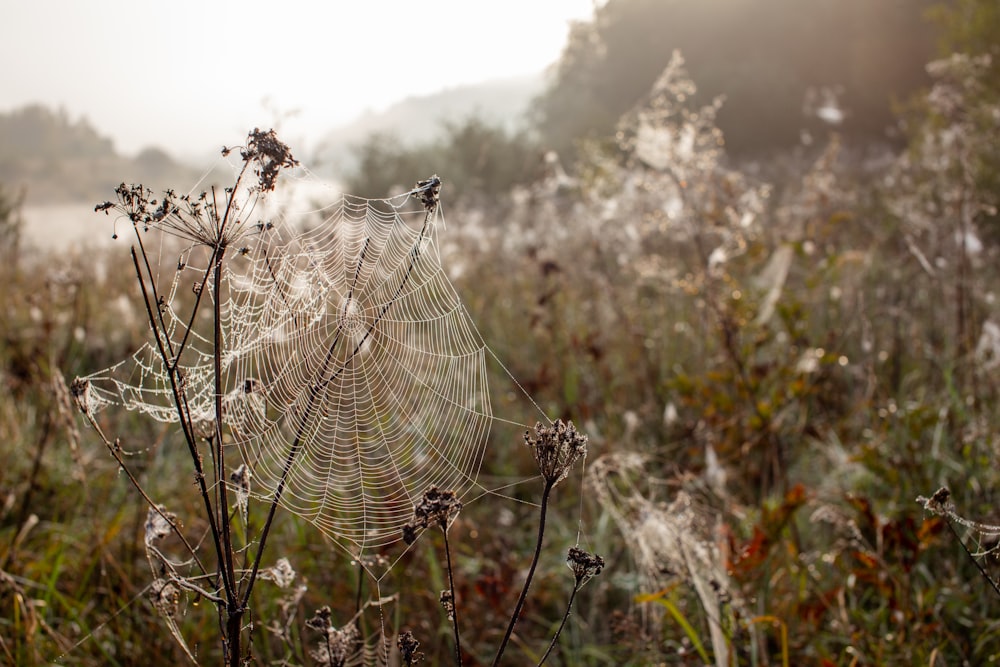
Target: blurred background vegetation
column 767, row 270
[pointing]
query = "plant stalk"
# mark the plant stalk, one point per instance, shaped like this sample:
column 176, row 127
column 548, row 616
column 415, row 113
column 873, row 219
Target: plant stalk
column 531, row 572
column 454, row 598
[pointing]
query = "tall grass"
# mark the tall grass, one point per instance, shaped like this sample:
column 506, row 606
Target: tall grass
column 797, row 350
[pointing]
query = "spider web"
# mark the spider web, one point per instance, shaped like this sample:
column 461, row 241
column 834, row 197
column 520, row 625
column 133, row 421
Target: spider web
column 352, row 373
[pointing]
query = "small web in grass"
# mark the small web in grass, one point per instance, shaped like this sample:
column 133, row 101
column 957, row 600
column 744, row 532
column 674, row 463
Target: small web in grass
column 353, row 377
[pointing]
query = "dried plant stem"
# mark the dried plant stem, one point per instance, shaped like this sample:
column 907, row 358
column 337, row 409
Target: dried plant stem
column 454, row 599
column 183, row 415
column 235, row 607
column 562, row 624
column 549, row 484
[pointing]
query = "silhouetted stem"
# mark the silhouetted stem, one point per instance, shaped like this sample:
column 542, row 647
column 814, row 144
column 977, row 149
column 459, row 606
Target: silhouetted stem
column 454, row 599
column 531, row 572
column 555, row 638
column 184, row 420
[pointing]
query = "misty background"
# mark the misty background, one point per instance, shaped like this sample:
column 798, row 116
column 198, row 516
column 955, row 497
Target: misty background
column 110, row 92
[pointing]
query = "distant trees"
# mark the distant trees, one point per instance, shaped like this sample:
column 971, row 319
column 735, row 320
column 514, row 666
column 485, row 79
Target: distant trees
column 477, row 160
column 36, row 131
column 764, row 56
column 51, row 158
column 780, row 64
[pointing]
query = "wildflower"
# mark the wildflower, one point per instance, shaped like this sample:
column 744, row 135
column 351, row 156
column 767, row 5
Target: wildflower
column 556, row 449
column 585, row 565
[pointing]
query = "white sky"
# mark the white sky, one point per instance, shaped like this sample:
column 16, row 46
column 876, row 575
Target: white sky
column 189, row 75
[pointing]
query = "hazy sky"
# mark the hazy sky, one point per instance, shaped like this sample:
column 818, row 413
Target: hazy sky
column 189, row 75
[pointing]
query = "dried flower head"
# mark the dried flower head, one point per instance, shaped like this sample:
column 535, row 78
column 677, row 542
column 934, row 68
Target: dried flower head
column 556, row 449
column 241, row 481
column 281, row 573
column 158, row 524
column 320, row 620
column 165, row 596
column 80, row 389
column 585, row 565
column 430, row 192
column 447, row 600
column 408, row 646
column 939, row 503
column 436, row 507
column 271, row 155
column 335, row 647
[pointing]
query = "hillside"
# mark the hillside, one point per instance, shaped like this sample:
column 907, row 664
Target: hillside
column 420, row 119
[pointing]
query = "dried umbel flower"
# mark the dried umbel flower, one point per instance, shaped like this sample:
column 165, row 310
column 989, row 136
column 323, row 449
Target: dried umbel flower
column 320, row 620
column 430, row 193
column 271, row 156
column 556, row 449
column 585, row 565
column 436, row 507
column 408, row 646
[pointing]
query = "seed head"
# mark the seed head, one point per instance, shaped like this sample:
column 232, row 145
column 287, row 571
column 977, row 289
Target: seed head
column 336, row 647
column 165, row 596
column 447, row 600
column 585, row 566
column 556, row 449
column 940, row 503
column 436, row 507
column 241, row 481
column 430, row 192
column 281, row 573
column 80, row 389
column 408, row 646
column 271, row 156
column 158, row 524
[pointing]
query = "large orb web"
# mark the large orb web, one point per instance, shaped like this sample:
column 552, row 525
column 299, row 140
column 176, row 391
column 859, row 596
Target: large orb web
column 355, row 377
